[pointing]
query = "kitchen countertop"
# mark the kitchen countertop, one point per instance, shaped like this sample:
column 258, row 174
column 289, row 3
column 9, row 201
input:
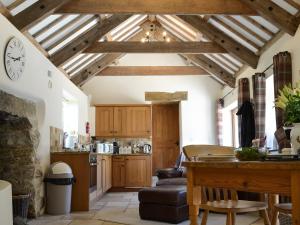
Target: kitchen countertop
column 72, row 152
column 109, row 154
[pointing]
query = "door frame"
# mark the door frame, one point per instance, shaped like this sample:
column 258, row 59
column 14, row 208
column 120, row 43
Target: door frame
column 178, row 103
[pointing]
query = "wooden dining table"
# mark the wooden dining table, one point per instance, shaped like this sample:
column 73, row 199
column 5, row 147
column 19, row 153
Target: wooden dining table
column 276, row 177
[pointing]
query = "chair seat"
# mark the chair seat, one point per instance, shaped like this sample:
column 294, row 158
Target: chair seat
column 234, row 206
column 284, row 208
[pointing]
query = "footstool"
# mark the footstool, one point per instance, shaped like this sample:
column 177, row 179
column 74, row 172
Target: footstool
column 164, row 204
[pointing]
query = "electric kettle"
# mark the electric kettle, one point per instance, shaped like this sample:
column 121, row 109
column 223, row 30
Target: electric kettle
column 147, row 148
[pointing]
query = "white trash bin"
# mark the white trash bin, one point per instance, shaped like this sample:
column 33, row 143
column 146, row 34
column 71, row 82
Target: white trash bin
column 59, row 188
column 6, row 216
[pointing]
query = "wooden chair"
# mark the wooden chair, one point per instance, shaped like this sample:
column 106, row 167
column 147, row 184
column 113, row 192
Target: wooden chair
column 223, row 200
column 285, row 208
column 191, row 151
column 226, row 201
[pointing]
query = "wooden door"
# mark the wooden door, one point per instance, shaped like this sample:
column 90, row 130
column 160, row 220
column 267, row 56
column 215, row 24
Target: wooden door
column 118, row 171
column 165, row 135
column 136, row 171
column 99, row 175
column 120, row 124
column 104, row 121
column 139, row 121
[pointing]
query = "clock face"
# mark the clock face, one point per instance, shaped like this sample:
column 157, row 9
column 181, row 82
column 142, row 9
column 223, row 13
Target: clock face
column 14, row 59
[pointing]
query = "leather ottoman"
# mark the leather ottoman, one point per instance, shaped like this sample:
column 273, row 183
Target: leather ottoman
column 164, row 203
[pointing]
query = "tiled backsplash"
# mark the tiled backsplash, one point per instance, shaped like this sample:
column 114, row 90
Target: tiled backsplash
column 127, row 141
column 57, row 137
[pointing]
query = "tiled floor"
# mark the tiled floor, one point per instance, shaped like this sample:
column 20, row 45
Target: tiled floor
column 122, row 208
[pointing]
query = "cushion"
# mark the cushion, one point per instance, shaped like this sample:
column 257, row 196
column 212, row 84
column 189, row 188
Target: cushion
column 172, row 181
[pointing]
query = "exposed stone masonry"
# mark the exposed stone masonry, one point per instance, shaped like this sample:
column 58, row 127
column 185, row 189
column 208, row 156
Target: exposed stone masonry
column 19, row 140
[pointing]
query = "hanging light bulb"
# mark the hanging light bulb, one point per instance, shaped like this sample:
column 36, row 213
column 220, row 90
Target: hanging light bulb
column 168, row 39
column 143, row 40
column 164, row 34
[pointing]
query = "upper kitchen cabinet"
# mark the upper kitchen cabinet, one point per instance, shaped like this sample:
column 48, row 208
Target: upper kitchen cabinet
column 123, row 121
column 104, row 121
column 139, row 121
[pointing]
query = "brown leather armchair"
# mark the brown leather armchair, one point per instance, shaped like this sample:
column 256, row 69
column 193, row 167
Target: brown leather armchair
column 174, row 172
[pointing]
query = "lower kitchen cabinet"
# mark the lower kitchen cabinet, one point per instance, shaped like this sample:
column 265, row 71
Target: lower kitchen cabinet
column 132, row 171
column 104, row 174
column 118, row 171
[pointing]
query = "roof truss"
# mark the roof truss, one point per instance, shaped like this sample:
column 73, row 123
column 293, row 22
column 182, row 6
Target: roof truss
column 153, row 7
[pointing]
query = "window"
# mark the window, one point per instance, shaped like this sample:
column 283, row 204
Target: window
column 230, row 125
column 270, row 125
column 235, row 128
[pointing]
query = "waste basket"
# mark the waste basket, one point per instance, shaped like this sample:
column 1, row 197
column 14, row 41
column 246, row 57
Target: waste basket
column 59, row 188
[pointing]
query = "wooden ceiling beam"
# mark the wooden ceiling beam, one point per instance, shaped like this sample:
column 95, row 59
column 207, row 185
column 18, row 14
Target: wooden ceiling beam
column 275, row 14
column 81, row 43
column 213, row 68
column 232, row 7
column 152, row 71
column 35, row 13
column 232, row 46
column 156, row 47
column 85, row 75
column 4, row 11
column 15, row 4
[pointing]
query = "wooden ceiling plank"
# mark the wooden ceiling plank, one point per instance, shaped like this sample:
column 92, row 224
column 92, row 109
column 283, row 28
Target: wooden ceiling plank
column 62, row 29
column 68, row 67
column 49, row 26
column 223, row 65
column 80, row 65
column 152, row 71
column 69, row 34
column 155, row 47
column 233, row 7
column 212, row 68
column 258, row 25
column 79, row 44
column 15, row 4
column 245, row 28
column 5, row 12
column 35, row 13
column 294, row 4
column 85, row 75
column 233, row 47
column 232, row 30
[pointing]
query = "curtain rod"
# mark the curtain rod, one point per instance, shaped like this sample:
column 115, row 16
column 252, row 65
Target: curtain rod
column 235, row 88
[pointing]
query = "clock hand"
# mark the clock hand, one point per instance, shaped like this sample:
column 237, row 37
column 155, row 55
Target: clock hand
column 13, row 58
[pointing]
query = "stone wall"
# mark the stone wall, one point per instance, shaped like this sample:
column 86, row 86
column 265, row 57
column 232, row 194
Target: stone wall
column 18, row 145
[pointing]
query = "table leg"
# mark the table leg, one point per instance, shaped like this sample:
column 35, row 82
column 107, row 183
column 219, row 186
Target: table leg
column 193, row 197
column 295, row 191
column 194, row 211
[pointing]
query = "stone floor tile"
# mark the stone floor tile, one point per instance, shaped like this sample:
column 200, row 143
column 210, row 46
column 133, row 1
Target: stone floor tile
column 87, row 222
column 80, row 216
column 117, row 204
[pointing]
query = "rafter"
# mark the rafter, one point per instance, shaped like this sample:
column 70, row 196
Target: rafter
column 71, row 32
column 15, row 4
column 94, row 69
column 155, row 47
column 275, row 14
column 153, row 7
column 49, row 26
column 4, row 11
column 35, row 13
column 79, row 44
column 233, row 47
column 152, row 71
column 213, row 68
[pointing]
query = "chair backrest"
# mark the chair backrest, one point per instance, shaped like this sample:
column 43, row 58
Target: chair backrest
column 191, row 151
column 218, row 194
column 179, row 161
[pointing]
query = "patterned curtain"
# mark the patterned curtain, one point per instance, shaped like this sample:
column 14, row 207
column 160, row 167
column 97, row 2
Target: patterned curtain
column 282, row 76
column 220, row 105
column 243, row 95
column 259, row 98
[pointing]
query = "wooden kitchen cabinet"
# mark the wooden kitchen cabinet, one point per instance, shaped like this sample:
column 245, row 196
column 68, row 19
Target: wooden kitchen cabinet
column 123, row 121
column 106, row 166
column 99, row 176
column 104, row 122
column 118, row 171
column 138, row 121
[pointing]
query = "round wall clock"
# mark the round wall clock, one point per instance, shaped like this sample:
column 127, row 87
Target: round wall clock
column 14, row 59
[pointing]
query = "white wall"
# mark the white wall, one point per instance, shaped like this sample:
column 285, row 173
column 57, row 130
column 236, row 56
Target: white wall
column 34, row 86
column 198, row 113
column 285, row 43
